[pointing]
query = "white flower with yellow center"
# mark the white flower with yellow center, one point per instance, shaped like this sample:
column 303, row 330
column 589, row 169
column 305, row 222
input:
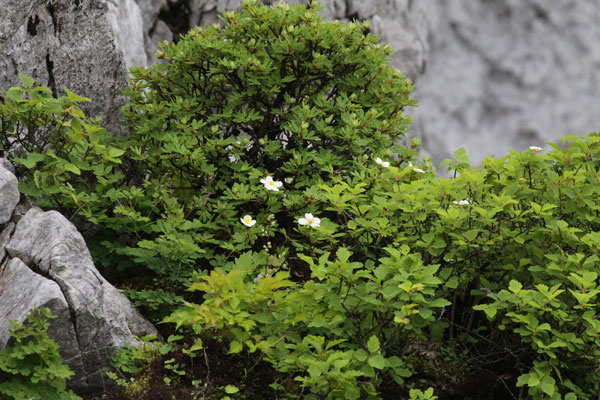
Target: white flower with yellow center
column 535, row 149
column 309, row 220
column 270, row 184
column 247, row 220
column 382, row 163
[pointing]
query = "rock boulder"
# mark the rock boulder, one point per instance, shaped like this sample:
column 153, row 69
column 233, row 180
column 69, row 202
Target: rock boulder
column 45, row 263
column 9, row 194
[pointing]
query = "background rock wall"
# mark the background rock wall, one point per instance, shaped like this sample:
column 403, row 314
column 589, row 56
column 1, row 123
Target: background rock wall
column 491, row 75
column 507, row 74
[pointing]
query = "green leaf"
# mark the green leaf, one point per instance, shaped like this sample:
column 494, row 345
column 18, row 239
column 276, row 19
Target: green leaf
column 230, row 389
column 377, row 361
column 31, row 160
column 360, row 355
column 72, row 168
column 114, row 152
column 515, row 286
column 27, row 80
column 373, row 344
column 235, row 347
column 547, row 385
column 73, row 97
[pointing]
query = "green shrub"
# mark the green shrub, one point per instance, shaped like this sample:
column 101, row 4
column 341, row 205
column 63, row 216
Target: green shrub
column 521, row 231
column 63, row 159
column 275, row 92
column 30, row 366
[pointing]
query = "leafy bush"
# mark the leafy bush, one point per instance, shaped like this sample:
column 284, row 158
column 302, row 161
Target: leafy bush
column 275, row 93
column 521, row 231
column 64, row 159
column 30, row 367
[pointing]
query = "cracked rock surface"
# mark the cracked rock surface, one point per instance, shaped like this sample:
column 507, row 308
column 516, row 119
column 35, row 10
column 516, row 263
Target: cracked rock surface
column 65, row 43
column 45, row 263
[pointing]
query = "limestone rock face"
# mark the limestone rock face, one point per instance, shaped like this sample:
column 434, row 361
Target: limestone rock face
column 508, row 74
column 155, row 30
column 66, row 43
column 9, row 194
column 125, row 19
column 21, row 290
column 44, row 262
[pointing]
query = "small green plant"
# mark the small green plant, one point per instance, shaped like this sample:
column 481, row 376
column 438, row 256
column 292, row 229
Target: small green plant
column 30, row 366
column 416, row 394
column 130, row 361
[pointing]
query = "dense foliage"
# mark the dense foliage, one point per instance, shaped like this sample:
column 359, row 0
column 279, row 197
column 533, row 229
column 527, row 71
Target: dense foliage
column 262, row 196
column 30, row 366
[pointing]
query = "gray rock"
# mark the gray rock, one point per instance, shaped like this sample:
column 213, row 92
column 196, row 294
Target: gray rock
column 507, row 75
column 4, row 239
column 65, row 43
column 160, row 33
column 125, row 19
column 149, row 10
column 155, row 29
column 21, row 290
column 404, row 25
column 9, row 194
column 102, row 318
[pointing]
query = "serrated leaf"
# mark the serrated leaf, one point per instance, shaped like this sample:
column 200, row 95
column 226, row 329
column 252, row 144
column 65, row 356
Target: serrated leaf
column 547, row 385
column 31, row 160
column 377, row 361
column 373, row 344
column 27, row 80
column 235, row 347
column 360, row 355
column 73, row 97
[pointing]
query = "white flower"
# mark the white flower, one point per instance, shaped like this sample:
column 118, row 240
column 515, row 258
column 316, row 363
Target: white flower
column 535, row 149
column 247, row 220
column 463, row 202
column 382, row 163
column 419, row 170
column 309, row 220
column 259, row 277
column 270, row 184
